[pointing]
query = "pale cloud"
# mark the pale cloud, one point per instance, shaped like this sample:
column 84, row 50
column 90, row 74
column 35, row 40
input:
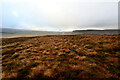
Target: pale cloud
column 23, row 25
column 0, row 16
column 42, row 28
column 15, row 13
column 13, row 1
column 60, row 14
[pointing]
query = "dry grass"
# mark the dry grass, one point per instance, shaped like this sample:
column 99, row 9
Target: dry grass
column 61, row 57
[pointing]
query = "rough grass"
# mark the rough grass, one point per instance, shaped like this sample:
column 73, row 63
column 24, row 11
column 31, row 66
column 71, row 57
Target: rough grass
column 61, row 57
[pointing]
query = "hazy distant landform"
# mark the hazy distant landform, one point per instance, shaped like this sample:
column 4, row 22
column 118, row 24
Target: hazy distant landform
column 8, row 32
column 106, row 31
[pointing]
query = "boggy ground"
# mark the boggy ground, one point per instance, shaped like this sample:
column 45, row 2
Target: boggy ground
column 60, row 57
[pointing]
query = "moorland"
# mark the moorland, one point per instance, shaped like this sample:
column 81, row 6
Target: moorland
column 61, row 57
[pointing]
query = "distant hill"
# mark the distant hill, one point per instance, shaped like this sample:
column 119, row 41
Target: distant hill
column 15, row 31
column 106, row 31
column 9, row 32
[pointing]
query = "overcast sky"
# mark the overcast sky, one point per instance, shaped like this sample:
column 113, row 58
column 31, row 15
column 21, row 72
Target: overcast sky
column 60, row 15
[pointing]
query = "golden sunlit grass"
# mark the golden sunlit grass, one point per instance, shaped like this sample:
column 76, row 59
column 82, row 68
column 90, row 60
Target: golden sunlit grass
column 61, row 57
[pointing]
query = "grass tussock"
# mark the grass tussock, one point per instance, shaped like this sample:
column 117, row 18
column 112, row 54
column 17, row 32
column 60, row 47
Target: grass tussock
column 61, row 57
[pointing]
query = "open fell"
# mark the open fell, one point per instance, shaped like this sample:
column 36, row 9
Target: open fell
column 61, row 57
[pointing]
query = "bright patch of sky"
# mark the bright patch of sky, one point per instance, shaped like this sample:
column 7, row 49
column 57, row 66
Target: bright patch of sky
column 60, row 15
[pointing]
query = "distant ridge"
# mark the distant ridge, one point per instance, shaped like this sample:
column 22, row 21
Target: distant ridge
column 98, row 30
column 93, row 31
column 9, row 30
column 14, row 31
